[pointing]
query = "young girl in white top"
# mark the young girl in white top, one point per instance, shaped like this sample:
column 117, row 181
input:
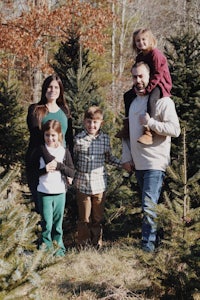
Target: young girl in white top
column 52, row 185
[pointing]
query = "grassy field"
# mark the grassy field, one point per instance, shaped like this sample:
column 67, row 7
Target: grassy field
column 119, row 271
column 114, row 272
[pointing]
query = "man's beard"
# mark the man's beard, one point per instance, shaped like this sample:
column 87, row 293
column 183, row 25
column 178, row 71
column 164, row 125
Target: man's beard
column 139, row 87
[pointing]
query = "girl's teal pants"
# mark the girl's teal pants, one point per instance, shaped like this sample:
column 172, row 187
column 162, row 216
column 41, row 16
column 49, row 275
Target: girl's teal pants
column 52, row 211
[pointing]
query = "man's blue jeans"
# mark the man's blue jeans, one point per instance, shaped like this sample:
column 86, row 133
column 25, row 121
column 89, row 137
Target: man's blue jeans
column 150, row 183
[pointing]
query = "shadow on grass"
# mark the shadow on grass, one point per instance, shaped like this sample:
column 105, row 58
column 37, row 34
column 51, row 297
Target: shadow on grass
column 99, row 291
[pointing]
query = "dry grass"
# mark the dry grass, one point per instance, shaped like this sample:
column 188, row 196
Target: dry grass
column 113, row 273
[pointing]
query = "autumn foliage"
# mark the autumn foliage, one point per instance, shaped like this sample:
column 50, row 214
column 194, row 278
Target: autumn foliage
column 29, row 37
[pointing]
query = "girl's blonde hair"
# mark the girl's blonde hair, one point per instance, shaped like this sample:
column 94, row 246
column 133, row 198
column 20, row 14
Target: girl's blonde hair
column 56, row 126
column 152, row 39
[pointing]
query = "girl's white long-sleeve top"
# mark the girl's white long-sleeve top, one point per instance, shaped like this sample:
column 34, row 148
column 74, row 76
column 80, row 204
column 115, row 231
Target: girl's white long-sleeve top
column 164, row 123
column 52, row 182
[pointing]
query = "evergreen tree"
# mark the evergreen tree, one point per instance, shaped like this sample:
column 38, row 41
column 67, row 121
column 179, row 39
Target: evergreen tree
column 20, row 261
column 184, row 61
column 70, row 56
column 123, row 207
column 80, row 96
column 174, row 269
column 74, row 68
column 12, row 129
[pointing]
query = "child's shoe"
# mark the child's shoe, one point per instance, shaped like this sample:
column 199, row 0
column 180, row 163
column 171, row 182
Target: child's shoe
column 146, row 138
column 124, row 132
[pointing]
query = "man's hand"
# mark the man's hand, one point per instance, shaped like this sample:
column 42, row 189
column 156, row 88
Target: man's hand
column 128, row 166
column 144, row 119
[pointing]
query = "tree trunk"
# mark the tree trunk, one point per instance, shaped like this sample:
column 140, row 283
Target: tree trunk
column 113, row 87
column 37, row 82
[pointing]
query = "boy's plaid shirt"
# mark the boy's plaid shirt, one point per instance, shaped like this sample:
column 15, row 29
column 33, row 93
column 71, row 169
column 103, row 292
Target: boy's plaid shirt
column 90, row 155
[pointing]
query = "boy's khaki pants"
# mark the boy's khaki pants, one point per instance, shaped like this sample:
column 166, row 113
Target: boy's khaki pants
column 90, row 209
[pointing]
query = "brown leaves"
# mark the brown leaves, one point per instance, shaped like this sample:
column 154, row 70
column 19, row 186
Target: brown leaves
column 30, row 35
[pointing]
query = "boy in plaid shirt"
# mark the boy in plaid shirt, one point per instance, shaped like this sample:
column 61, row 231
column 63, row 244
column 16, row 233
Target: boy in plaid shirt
column 91, row 151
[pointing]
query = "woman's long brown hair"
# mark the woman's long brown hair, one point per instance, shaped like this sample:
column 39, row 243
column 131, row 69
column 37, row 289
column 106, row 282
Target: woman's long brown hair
column 41, row 108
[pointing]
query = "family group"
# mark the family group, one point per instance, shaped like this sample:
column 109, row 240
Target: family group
column 56, row 159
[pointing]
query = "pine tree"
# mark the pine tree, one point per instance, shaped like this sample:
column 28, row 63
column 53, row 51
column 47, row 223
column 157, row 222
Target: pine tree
column 70, row 56
column 184, row 60
column 74, row 68
column 80, row 97
column 20, row 261
column 12, row 128
column 123, row 206
column 174, row 269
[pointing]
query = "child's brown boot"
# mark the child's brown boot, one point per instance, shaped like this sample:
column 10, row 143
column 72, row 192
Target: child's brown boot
column 146, row 138
column 124, row 132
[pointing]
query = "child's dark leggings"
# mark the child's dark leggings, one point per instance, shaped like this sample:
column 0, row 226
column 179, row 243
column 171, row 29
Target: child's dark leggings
column 154, row 96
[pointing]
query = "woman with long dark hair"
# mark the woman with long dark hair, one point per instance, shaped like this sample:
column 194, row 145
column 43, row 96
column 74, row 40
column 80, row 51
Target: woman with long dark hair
column 52, row 106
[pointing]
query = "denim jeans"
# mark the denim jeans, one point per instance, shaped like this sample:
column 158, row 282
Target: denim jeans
column 150, row 183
